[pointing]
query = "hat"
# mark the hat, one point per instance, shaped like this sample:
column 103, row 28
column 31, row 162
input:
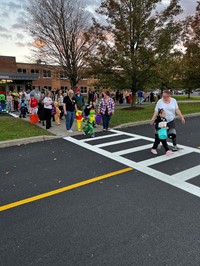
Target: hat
column 78, row 90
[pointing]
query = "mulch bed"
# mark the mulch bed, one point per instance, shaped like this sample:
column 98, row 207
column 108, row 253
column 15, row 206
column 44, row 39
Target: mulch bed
column 134, row 108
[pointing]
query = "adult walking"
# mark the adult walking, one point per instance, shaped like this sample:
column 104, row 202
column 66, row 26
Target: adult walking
column 140, row 96
column 59, row 98
column 37, row 93
column 47, row 109
column 80, row 101
column 69, row 107
column 106, row 109
column 170, row 106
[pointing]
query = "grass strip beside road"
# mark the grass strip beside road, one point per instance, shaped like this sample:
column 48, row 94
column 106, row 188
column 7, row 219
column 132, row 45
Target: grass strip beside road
column 145, row 112
column 61, row 190
column 185, row 98
column 15, row 128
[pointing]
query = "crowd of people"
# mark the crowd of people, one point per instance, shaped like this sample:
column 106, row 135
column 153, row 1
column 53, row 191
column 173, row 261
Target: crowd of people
column 54, row 105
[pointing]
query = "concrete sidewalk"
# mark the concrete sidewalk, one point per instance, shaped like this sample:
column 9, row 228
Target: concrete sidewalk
column 60, row 130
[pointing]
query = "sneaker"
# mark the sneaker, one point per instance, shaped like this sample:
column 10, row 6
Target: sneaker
column 108, row 128
column 175, row 148
column 92, row 136
column 169, row 152
column 70, row 131
column 154, row 151
column 104, row 129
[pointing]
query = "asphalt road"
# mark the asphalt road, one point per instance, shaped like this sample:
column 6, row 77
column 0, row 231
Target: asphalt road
column 128, row 219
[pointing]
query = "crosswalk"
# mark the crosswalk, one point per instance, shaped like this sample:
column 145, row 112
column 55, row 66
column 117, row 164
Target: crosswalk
column 146, row 166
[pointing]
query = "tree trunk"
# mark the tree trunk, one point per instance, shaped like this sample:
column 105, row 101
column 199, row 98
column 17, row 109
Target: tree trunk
column 133, row 90
column 189, row 92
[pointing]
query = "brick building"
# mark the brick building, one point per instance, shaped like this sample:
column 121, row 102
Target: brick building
column 14, row 75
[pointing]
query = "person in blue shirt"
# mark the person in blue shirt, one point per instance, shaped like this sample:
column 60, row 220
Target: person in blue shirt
column 140, row 97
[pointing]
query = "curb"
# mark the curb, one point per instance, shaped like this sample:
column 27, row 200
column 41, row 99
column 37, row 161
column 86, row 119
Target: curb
column 146, row 122
column 25, row 141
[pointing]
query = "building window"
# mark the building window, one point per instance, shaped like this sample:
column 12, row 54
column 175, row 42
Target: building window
column 46, row 73
column 21, row 70
column 33, row 87
column 63, row 88
column 47, row 88
column 34, row 71
column 83, row 89
column 63, row 75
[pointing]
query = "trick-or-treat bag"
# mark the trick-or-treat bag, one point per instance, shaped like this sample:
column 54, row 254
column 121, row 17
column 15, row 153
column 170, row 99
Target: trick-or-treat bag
column 34, row 118
column 98, row 119
column 162, row 134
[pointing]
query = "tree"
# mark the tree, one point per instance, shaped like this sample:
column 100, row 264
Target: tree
column 63, row 30
column 191, row 58
column 134, row 38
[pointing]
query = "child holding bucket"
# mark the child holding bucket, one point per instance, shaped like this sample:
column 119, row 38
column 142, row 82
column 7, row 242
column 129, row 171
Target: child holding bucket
column 161, row 133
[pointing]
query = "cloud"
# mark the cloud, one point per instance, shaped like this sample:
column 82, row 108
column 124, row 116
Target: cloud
column 20, row 23
column 188, row 6
column 5, row 14
column 17, row 26
column 20, row 36
column 3, row 29
column 11, row 5
column 6, row 36
column 20, row 44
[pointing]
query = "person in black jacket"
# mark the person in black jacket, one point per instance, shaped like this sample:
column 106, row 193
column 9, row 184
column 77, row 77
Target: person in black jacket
column 160, row 122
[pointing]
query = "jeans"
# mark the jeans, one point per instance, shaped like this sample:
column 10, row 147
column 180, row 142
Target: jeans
column 69, row 119
column 106, row 120
column 140, row 100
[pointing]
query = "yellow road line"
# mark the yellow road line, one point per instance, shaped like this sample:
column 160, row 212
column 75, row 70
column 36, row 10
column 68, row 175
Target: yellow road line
column 60, row 190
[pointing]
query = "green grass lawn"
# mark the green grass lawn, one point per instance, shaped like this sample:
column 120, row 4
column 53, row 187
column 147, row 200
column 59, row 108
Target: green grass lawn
column 185, row 98
column 146, row 112
column 14, row 128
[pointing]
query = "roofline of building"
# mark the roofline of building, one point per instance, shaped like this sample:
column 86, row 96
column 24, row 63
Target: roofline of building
column 7, row 56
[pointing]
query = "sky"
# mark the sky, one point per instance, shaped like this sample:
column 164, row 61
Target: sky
column 15, row 40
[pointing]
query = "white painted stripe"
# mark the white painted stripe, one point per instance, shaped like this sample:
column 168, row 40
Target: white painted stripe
column 187, row 174
column 102, row 137
column 152, row 140
column 132, row 150
column 148, row 171
column 164, row 158
column 14, row 115
column 115, row 142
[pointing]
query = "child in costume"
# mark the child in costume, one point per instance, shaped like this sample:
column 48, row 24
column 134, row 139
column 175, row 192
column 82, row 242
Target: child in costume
column 9, row 100
column 2, row 103
column 79, row 119
column 22, row 107
column 57, row 113
column 88, row 107
column 160, row 123
column 89, row 124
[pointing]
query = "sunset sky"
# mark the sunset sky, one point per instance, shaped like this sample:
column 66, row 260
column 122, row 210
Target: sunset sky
column 15, row 41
